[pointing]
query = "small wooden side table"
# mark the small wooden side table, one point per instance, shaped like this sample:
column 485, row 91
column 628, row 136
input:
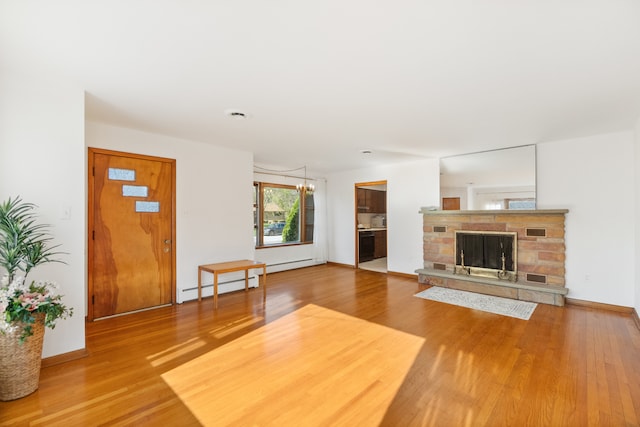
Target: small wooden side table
column 228, row 267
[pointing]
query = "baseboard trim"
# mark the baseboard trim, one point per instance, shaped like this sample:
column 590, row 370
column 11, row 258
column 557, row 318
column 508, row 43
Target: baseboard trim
column 339, row 264
column 390, row 273
column 636, row 318
column 405, row 275
column 64, row 357
column 599, row 305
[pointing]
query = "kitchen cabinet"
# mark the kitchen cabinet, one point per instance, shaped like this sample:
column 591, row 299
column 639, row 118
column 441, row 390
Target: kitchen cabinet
column 371, row 201
column 378, row 201
column 362, row 200
column 380, row 244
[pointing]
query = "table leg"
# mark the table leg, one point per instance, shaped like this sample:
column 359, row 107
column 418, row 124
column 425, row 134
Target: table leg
column 215, row 289
column 199, row 284
column 246, row 280
column 264, row 283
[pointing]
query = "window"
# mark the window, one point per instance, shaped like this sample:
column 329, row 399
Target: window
column 282, row 215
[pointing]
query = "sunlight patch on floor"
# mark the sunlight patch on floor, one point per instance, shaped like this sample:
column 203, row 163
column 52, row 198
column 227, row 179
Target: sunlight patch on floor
column 235, row 326
column 314, row 367
column 175, row 351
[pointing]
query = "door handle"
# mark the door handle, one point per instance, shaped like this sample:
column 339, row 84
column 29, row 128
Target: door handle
column 167, row 241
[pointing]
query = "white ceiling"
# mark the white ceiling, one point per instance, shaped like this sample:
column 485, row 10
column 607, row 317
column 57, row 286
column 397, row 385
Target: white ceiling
column 323, row 80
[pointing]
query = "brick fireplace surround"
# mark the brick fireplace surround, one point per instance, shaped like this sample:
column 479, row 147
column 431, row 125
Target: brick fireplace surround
column 540, row 252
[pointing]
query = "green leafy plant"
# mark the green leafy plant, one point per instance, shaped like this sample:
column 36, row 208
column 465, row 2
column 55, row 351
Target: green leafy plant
column 25, row 244
column 290, row 231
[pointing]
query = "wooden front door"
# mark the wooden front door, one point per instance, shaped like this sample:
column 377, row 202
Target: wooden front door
column 131, row 232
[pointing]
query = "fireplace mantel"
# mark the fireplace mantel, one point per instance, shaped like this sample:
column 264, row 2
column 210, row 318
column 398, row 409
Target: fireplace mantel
column 541, row 252
column 430, row 211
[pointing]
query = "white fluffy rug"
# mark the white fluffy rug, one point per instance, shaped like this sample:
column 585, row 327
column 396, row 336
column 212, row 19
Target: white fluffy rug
column 504, row 306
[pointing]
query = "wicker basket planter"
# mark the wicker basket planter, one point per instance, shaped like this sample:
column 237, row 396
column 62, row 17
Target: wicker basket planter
column 20, row 362
column 26, row 307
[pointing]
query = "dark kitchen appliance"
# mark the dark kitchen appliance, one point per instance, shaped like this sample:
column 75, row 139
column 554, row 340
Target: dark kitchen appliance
column 366, row 246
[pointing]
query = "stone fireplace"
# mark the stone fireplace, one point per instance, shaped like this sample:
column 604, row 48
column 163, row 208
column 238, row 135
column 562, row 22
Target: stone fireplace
column 515, row 254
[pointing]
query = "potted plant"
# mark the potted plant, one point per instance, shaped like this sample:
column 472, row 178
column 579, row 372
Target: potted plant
column 25, row 308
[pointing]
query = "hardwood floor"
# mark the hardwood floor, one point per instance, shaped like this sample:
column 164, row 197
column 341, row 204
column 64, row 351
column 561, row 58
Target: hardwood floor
column 570, row 366
column 315, row 364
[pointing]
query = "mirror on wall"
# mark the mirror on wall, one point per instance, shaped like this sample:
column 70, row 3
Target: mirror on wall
column 498, row 179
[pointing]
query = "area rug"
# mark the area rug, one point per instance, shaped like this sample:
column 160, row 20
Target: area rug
column 497, row 305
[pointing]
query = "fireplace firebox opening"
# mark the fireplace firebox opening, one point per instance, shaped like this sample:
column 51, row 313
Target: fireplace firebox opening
column 486, row 253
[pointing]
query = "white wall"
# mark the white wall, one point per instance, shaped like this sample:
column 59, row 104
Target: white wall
column 296, row 256
column 214, row 201
column 637, row 215
column 42, row 160
column 593, row 177
column 410, row 186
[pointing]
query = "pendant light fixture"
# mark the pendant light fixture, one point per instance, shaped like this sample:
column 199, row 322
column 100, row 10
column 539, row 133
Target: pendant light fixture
column 308, row 188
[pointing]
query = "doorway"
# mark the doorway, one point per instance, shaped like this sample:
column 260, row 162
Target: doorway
column 131, row 247
column 371, row 226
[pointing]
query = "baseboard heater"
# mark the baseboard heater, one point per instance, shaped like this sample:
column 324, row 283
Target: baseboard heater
column 289, row 262
column 219, row 283
column 250, row 277
column 204, row 286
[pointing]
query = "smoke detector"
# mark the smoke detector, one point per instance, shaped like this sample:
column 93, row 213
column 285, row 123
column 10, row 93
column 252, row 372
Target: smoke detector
column 236, row 114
